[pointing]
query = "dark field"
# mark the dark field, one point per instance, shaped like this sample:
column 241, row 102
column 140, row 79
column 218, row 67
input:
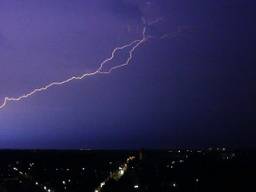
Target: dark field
column 217, row 169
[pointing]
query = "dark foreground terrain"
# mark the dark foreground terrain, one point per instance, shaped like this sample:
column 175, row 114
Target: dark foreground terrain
column 213, row 169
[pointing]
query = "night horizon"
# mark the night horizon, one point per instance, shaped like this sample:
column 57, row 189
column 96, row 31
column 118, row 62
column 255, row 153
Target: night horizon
column 127, row 95
column 185, row 78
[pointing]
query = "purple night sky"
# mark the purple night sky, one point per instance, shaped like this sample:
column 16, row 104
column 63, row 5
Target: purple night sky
column 196, row 87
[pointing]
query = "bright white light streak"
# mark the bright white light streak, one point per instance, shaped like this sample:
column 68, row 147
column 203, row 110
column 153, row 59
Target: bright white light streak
column 135, row 44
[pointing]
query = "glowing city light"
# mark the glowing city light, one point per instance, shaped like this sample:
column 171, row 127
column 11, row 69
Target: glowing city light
column 102, row 184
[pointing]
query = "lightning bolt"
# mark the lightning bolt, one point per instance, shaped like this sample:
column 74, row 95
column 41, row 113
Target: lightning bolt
column 134, row 45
